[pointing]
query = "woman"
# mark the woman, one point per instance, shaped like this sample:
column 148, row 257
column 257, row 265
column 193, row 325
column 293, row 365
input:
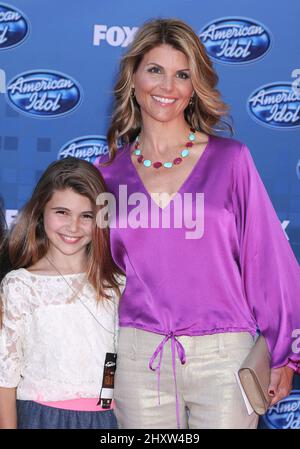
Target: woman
column 193, row 299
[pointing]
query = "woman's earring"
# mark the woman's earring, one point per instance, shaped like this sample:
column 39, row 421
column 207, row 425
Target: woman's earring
column 191, row 102
column 132, row 92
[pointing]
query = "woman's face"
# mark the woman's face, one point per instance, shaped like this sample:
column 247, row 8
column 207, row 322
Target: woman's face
column 162, row 84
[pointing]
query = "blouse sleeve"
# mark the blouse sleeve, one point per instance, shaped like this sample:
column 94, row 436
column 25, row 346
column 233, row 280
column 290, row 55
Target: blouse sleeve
column 270, row 272
column 11, row 332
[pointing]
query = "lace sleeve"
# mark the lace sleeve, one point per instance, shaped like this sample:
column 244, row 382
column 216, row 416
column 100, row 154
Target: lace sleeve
column 12, row 296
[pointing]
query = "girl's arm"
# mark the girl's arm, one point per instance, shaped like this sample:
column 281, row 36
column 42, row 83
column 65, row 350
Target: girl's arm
column 8, row 408
column 13, row 294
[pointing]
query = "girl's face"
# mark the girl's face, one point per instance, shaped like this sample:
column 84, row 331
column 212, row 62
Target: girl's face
column 68, row 222
column 162, row 83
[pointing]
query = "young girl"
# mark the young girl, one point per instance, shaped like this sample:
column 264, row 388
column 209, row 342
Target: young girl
column 4, row 260
column 59, row 306
column 2, row 222
column 2, row 236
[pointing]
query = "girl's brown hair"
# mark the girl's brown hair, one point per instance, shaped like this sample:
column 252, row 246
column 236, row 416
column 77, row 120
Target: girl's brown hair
column 4, row 262
column 207, row 108
column 28, row 241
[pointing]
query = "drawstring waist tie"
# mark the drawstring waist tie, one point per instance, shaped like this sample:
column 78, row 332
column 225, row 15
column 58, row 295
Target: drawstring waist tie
column 175, row 345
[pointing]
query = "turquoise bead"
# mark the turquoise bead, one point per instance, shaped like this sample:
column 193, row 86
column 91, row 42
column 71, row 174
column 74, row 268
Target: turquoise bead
column 168, row 164
column 147, row 163
column 192, row 137
column 185, row 153
column 137, row 152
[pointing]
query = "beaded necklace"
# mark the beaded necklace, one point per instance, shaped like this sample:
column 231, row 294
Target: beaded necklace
column 158, row 164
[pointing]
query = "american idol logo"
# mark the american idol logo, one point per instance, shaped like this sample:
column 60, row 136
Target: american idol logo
column 14, row 27
column 44, row 93
column 285, row 414
column 89, row 148
column 235, row 40
column 276, row 105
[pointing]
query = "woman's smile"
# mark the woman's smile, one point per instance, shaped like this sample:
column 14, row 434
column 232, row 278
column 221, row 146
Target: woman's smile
column 164, row 100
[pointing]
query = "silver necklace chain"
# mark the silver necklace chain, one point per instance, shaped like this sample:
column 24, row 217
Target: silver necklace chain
column 77, row 293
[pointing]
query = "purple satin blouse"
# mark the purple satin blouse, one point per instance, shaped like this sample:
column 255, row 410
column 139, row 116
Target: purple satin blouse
column 238, row 274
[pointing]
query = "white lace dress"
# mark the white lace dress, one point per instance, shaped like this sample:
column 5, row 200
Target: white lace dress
column 51, row 346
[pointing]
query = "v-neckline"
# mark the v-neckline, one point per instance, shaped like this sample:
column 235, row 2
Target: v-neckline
column 187, row 179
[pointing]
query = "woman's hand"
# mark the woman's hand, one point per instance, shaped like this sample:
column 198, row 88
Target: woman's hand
column 280, row 383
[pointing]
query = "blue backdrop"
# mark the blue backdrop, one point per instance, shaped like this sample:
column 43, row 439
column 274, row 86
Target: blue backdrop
column 58, row 62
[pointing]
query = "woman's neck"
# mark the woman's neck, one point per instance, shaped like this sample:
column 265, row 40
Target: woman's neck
column 158, row 138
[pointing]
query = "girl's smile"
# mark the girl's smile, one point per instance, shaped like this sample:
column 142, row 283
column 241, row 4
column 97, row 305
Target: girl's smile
column 69, row 239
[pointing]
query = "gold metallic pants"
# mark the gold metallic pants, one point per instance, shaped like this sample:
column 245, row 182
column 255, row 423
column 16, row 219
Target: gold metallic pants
column 204, row 391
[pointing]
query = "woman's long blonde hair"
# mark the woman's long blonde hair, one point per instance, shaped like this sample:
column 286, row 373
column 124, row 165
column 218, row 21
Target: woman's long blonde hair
column 207, row 108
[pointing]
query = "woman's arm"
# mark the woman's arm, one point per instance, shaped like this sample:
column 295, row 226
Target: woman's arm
column 270, row 271
column 8, row 408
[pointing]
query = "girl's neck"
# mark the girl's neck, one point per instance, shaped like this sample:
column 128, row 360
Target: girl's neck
column 53, row 263
column 65, row 266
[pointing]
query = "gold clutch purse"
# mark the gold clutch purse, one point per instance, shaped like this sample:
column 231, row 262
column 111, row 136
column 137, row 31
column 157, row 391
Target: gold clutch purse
column 254, row 375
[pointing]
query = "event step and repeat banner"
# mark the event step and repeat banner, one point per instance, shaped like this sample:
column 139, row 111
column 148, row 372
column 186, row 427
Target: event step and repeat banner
column 58, row 64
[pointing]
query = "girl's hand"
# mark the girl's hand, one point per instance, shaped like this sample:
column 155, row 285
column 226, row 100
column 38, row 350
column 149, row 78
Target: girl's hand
column 8, row 408
column 280, row 383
